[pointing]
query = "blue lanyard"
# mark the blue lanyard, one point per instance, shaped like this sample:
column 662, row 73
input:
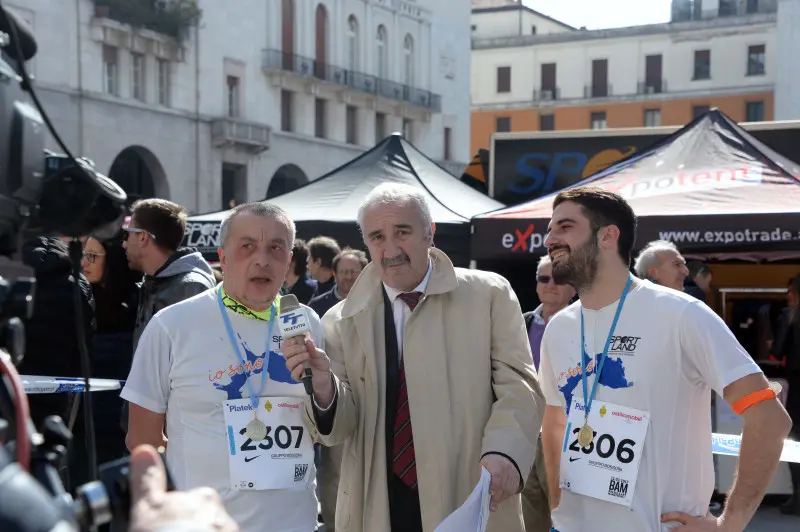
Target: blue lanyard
column 589, row 399
column 224, row 311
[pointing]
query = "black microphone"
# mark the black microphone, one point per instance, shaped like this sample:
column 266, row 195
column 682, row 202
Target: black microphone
column 294, row 323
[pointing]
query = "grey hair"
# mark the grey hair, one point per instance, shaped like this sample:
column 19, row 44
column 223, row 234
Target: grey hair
column 544, row 261
column 396, row 193
column 262, row 209
column 648, row 257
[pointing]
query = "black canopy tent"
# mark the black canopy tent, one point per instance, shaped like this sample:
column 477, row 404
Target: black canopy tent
column 329, row 205
column 710, row 188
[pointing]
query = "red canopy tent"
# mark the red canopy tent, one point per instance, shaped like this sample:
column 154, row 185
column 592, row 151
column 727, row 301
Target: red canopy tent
column 709, row 187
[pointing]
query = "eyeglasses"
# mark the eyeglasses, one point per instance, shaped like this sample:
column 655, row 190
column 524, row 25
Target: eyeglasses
column 544, row 279
column 129, row 230
column 91, row 257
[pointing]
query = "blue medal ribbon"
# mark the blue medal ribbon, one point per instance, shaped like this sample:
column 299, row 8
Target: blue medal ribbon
column 589, row 399
column 254, row 398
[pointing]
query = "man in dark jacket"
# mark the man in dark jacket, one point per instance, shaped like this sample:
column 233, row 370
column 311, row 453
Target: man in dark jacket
column 51, row 340
column 698, row 283
column 298, row 281
column 347, row 266
column 172, row 274
column 321, row 252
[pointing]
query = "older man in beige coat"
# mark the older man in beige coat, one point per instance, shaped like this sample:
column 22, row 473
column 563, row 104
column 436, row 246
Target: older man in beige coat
column 419, row 343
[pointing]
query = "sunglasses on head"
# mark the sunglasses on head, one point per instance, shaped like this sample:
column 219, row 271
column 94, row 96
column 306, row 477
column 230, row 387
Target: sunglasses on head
column 544, row 279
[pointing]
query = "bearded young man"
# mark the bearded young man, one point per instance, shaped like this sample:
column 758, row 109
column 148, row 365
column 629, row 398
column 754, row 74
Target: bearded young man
column 628, row 439
column 211, row 367
column 430, row 378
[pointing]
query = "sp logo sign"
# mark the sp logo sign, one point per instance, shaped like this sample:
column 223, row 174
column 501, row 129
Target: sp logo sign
column 523, row 239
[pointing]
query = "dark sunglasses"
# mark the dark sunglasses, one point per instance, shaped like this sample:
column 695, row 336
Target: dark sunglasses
column 544, row 279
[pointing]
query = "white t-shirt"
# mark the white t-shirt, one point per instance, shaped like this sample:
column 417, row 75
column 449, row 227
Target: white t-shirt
column 185, row 366
column 668, row 352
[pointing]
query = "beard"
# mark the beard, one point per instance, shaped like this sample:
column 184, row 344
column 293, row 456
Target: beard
column 579, row 268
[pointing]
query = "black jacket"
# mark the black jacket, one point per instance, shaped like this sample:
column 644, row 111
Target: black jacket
column 50, row 334
column 787, row 339
column 304, row 289
column 323, row 303
column 690, row 287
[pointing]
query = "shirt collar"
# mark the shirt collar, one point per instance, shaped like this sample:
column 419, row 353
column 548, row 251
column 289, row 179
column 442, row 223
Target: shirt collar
column 393, row 292
column 240, row 308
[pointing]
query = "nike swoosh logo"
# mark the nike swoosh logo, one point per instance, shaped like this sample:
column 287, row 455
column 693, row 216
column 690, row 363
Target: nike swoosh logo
column 571, row 459
column 250, row 459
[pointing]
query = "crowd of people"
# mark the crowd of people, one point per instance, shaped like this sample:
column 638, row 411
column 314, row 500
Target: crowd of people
column 422, row 373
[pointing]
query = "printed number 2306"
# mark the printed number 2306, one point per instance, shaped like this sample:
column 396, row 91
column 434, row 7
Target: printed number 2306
column 282, row 437
column 606, row 446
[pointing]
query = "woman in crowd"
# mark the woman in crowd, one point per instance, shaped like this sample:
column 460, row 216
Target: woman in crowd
column 114, row 288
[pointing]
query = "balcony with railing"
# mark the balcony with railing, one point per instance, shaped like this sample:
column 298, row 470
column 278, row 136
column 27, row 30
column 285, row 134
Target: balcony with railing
column 278, row 61
column 546, row 95
column 658, row 86
column 249, row 136
column 597, row 90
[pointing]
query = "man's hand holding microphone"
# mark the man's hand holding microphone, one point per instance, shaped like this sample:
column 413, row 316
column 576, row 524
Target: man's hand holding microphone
column 306, row 363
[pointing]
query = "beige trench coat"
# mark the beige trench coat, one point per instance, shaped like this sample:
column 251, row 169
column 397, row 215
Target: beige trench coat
column 472, row 389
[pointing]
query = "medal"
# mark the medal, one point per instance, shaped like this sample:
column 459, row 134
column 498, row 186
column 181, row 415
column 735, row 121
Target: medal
column 585, row 435
column 256, row 430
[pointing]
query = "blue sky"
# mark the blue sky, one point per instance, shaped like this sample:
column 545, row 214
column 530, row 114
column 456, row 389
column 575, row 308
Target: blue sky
column 596, row 14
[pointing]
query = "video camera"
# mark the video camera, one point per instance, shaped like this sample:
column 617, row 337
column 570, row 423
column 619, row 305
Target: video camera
column 43, row 193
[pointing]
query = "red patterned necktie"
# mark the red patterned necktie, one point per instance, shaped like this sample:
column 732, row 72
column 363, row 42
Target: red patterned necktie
column 403, row 462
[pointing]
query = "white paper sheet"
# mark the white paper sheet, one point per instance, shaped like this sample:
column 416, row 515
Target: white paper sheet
column 474, row 513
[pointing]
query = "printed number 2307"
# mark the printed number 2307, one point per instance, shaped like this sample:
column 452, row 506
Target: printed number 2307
column 282, row 437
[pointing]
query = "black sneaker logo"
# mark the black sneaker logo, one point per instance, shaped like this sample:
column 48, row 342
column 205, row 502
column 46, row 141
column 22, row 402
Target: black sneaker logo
column 570, row 459
column 250, row 459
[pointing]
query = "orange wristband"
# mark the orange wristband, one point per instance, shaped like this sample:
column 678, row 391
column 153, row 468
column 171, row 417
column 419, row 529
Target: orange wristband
column 753, row 399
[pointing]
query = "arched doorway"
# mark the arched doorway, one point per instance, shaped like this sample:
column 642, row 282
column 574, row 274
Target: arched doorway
column 321, row 49
column 140, row 174
column 287, row 178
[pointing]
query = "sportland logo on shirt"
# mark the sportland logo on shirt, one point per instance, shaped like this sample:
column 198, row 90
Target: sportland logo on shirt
column 523, row 240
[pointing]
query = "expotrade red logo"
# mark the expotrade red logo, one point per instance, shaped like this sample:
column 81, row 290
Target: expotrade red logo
column 523, row 239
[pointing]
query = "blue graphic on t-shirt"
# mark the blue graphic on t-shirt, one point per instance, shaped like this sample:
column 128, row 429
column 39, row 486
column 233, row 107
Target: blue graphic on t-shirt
column 613, row 377
column 276, row 371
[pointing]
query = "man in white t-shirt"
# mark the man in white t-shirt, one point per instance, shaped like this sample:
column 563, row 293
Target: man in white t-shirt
column 202, row 364
column 636, row 455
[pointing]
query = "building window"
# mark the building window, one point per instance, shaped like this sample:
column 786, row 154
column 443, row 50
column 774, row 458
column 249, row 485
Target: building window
column 548, row 81
column 600, row 78
column 287, row 111
column 233, row 97
column 699, row 110
column 163, row 82
column 448, row 138
column 652, row 74
column 234, row 185
column 702, row 64
column 754, row 111
column 110, row 71
column 320, row 122
column 382, row 52
column 408, row 130
column 752, row 6
column 533, row 30
column 352, row 44
column 598, row 120
column 351, row 123
column 474, row 27
column 504, row 79
column 137, row 76
column 756, row 60
column 408, row 60
column 727, row 8
column 380, row 127
column 652, row 117
column 502, row 124
column 547, row 122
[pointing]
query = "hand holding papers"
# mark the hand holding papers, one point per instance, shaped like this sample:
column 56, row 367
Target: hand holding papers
column 474, row 513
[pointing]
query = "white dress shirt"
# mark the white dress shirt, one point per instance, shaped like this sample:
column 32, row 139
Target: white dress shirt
column 400, row 308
